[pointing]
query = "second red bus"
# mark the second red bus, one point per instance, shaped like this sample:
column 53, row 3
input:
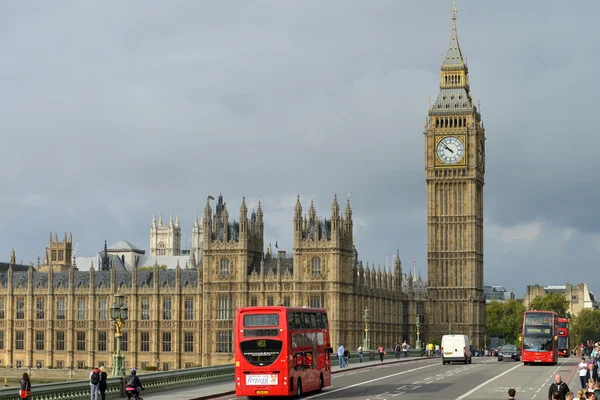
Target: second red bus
column 563, row 337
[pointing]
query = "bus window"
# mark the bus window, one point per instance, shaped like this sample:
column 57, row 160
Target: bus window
column 306, row 320
column 324, row 318
column 313, row 320
column 297, row 320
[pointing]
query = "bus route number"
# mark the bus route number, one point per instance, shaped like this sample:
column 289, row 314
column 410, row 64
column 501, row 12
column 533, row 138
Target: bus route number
column 262, row 343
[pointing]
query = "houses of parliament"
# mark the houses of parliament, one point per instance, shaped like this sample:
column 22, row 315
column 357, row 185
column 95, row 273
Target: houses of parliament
column 182, row 305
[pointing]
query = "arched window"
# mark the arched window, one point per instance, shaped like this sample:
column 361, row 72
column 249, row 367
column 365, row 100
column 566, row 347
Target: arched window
column 162, row 249
column 225, row 267
column 315, row 266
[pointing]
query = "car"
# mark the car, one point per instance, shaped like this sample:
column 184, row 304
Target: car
column 510, row 352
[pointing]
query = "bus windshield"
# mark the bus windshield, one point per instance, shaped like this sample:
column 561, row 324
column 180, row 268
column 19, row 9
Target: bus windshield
column 537, row 343
column 562, row 342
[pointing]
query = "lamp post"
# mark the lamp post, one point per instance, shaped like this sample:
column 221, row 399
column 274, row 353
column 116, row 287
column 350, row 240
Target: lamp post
column 366, row 318
column 119, row 314
column 418, row 342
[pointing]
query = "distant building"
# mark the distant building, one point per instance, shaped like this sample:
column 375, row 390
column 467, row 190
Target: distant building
column 579, row 296
column 498, row 293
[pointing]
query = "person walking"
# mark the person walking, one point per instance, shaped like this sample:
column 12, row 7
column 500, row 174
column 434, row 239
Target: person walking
column 25, row 391
column 512, row 393
column 360, row 352
column 94, row 383
column 346, row 357
column 102, row 384
column 381, row 352
column 559, row 387
column 583, row 372
column 340, row 354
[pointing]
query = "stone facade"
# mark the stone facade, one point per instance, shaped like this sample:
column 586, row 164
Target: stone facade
column 58, row 254
column 579, row 296
column 165, row 240
column 454, row 169
column 184, row 317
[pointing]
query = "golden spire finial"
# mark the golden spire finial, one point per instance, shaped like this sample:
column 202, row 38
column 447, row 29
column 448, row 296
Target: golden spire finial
column 430, row 102
column 454, row 10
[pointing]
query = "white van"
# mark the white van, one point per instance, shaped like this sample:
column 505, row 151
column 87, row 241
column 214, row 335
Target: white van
column 455, row 348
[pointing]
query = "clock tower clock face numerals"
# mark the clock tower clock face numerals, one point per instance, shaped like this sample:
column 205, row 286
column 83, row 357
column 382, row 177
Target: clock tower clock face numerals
column 450, row 150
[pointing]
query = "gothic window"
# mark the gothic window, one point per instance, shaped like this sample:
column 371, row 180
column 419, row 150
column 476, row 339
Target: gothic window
column 167, row 309
column 144, row 341
column 102, row 341
column 166, row 341
column 1, row 340
column 253, row 301
column 20, row 340
column 287, row 301
column 270, row 301
column 124, row 341
column 1, row 308
column 315, row 266
column 60, row 340
column 145, row 309
column 188, row 342
column 316, row 301
column 39, row 340
column 224, row 342
column 20, row 308
column 224, row 307
column 39, row 309
column 162, row 249
column 189, row 309
column 225, row 267
column 61, row 256
column 81, row 311
column 102, row 309
column 53, row 255
column 80, row 340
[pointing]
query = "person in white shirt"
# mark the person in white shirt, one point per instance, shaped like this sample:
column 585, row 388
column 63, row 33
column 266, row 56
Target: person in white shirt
column 583, row 372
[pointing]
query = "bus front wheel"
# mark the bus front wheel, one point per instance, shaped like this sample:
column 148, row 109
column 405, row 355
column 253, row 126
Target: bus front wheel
column 299, row 388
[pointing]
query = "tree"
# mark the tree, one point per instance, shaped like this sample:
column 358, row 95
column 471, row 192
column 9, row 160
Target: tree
column 585, row 327
column 556, row 302
column 505, row 320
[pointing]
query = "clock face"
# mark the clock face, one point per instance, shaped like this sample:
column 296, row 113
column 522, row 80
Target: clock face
column 450, row 150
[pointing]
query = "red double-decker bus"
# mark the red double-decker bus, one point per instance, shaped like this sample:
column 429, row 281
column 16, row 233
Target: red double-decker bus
column 540, row 340
column 563, row 337
column 281, row 351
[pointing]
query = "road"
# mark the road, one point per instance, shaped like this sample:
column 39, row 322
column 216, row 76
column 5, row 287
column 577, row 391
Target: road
column 485, row 379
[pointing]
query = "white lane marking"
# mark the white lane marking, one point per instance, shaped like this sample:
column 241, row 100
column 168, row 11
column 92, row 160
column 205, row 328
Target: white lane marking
column 399, row 393
column 328, row 392
column 487, row 382
column 381, row 394
column 401, row 387
column 416, row 387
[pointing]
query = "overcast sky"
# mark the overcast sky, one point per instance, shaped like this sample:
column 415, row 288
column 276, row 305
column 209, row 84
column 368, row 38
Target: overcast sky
column 112, row 110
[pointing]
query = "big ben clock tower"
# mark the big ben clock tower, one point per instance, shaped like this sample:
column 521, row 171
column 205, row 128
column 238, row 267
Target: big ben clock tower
column 454, row 170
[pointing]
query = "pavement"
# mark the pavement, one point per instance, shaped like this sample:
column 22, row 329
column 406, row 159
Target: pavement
column 485, row 379
column 218, row 390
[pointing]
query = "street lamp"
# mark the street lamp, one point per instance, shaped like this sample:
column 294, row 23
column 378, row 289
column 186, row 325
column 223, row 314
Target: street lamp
column 366, row 318
column 119, row 313
column 418, row 342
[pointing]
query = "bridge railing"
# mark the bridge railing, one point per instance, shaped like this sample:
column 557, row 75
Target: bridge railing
column 155, row 381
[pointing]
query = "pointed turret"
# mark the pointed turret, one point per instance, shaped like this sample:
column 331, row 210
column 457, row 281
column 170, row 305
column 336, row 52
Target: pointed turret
column 335, row 207
column 312, row 214
column 177, row 220
column 70, row 237
column 298, row 208
column 13, row 257
column 154, row 219
column 196, row 219
column 171, row 219
column 160, row 219
column 454, row 55
column 243, row 210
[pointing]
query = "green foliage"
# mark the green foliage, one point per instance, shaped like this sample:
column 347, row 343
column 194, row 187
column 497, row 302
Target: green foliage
column 505, row 320
column 585, row 327
column 150, row 368
column 551, row 302
column 151, row 268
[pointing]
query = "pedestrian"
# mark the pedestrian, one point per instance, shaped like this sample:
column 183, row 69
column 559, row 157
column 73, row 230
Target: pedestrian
column 94, row 383
column 569, row 396
column 397, row 350
column 381, row 352
column 581, row 394
column 360, row 352
column 583, row 372
column 25, row 391
column 558, row 387
column 102, row 384
column 340, row 354
column 346, row 357
column 133, row 386
column 512, row 393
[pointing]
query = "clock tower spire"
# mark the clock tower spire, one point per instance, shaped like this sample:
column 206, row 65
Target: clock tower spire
column 454, row 171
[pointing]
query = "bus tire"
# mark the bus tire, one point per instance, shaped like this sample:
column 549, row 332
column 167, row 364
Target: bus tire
column 299, row 389
column 321, row 383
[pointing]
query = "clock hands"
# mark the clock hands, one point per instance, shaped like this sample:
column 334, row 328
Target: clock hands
column 448, row 148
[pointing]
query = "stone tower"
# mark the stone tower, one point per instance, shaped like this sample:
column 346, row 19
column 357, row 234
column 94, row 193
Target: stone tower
column 231, row 249
column 455, row 155
column 58, row 253
column 165, row 240
column 197, row 239
column 324, row 259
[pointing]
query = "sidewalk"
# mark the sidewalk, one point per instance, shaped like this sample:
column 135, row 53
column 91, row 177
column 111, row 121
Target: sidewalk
column 208, row 391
